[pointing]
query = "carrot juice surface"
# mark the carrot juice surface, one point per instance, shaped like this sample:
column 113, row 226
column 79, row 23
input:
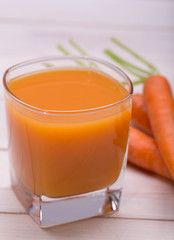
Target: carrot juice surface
column 58, row 158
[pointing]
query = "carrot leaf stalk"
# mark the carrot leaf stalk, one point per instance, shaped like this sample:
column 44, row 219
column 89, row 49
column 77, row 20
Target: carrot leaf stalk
column 77, row 47
column 63, row 50
column 128, row 66
column 81, row 51
column 48, row 65
column 141, row 59
column 137, row 71
column 67, row 53
column 142, row 74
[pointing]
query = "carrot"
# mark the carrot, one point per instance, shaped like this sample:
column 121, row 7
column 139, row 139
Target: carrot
column 144, row 153
column 160, row 108
column 139, row 114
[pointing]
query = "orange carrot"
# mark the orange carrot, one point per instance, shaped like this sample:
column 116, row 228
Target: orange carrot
column 143, row 152
column 139, row 114
column 160, row 108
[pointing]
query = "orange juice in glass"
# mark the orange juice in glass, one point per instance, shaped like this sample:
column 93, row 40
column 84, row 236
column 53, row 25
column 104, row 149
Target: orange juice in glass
column 68, row 136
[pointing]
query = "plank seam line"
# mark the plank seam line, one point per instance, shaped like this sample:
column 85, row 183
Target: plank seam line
column 78, row 24
column 103, row 217
column 135, row 218
column 3, row 149
column 14, row 213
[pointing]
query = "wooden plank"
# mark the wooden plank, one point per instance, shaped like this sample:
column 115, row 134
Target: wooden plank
column 16, row 227
column 4, row 170
column 102, row 12
column 9, row 202
column 146, row 206
column 139, row 180
column 3, row 127
column 133, row 205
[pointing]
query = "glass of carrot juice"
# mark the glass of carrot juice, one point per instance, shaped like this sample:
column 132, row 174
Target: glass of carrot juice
column 68, row 124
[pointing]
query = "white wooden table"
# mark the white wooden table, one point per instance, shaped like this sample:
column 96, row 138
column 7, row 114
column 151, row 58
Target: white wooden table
column 30, row 29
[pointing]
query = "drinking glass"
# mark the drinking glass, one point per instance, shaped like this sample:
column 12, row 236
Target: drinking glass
column 67, row 165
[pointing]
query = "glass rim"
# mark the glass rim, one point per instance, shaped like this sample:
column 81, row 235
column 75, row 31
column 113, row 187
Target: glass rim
column 71, row 112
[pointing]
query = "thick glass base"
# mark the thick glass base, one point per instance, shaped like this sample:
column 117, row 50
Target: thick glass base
column 48, row 212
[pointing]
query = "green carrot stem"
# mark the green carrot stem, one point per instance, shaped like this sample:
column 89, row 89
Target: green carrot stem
column 48, row 65
column 82, row 51
column 128, row 66
column 130, row 70
column 63, row 50
column 153, row 68
column 136, row 82
column 77, row 47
